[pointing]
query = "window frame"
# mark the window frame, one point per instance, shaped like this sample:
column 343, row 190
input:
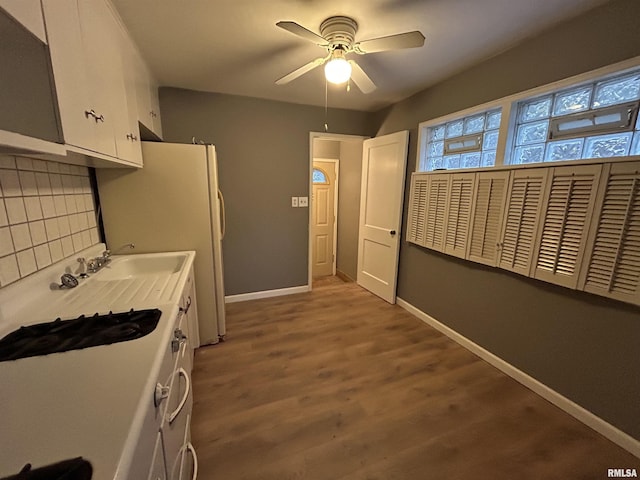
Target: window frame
column 509, row 106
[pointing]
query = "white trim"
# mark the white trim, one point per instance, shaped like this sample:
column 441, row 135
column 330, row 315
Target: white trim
column 614, row 434
column 244, row 297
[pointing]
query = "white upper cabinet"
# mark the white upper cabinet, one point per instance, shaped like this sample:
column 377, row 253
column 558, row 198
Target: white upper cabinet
column 28, row 13
column 147, row 97
column 92, row 66
column 80, row 56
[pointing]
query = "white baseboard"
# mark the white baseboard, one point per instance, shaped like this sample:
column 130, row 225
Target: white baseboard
column 243, row 297
column 585, row 416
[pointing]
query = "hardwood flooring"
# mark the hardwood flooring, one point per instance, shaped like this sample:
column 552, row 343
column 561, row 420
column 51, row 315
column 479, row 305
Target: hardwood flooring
column 337, row 384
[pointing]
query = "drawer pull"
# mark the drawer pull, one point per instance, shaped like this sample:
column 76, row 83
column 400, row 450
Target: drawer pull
column 183, row 401
column 195, row 460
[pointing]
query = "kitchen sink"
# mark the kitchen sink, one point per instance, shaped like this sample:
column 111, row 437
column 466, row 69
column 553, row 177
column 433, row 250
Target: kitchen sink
column 129, row 266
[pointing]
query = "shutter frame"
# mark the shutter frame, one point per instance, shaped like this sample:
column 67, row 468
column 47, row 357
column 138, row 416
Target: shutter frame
column 487, row 217
column 613, row 245
column 436, row 210
column 566, row 217
column 416, row 221
column 521, row 219
column 458, row 213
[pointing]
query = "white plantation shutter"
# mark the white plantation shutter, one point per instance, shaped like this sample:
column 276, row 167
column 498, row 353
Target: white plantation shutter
column 524, row 202
column 459, row 213
column 436, row 209
column 613, row 261
column 486, row 221
column 568, row 207
column 417, row 208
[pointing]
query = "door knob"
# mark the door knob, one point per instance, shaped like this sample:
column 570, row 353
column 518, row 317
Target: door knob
column 392, row 232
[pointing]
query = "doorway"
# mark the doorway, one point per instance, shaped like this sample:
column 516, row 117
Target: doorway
column 333, row 247
column 324, row 204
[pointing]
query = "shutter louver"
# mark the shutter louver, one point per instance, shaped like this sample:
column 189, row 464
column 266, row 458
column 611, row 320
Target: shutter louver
column 436, row 211
column 459, row 214
column 417, row 209
column 491, row 189
column 614, row 254
column 567, row 214
column 526, row 189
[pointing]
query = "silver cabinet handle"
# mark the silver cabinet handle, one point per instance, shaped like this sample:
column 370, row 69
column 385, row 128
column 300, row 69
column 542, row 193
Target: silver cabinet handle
column 132, row 137
column 92, row 113
column 181, row 371
column 195, row 460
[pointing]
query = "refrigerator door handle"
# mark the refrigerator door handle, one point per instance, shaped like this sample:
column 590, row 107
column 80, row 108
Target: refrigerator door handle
column 223, row 217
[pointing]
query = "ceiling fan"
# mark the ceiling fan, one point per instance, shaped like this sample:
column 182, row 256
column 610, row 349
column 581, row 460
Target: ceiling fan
column 337, row 35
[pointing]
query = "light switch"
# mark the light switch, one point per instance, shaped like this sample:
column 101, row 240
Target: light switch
column 294, row 201
column 303, row 201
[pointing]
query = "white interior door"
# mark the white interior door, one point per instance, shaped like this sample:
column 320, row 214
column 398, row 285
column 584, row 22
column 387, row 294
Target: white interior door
column 384, row 161
column 323, row 218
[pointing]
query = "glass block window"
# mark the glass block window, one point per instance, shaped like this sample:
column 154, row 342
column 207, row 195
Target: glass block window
column 319, row 176
column 468, row 142
column 599, row 120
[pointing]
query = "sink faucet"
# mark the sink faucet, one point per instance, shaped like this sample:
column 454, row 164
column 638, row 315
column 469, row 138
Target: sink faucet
column 95, row 264
column 106, row 255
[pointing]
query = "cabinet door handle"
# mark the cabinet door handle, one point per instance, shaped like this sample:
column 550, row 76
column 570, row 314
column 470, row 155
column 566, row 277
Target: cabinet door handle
column 100, row 119
column 181, row 371
column 132, row 137
column 91, row 113
column 195, row 460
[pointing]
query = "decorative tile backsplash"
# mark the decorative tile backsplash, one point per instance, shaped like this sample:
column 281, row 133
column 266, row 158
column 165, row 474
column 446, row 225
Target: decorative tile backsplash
column 47, row 213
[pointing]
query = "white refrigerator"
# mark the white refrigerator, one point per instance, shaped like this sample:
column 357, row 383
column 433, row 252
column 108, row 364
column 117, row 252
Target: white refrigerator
column 173, row 203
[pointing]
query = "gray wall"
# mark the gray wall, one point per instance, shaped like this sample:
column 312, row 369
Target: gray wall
column 583, row 346
column 349, row 207
column 263, row 158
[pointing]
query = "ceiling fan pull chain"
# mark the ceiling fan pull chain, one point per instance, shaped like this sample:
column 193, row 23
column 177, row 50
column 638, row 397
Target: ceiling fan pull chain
column 326, row 113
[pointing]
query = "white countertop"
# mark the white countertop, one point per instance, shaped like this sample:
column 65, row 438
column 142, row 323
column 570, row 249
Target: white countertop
column 87, row 403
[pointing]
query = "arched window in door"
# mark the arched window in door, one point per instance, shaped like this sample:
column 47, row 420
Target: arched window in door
column 319, row 177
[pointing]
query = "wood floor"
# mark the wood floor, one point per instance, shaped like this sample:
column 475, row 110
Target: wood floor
column 337, row 384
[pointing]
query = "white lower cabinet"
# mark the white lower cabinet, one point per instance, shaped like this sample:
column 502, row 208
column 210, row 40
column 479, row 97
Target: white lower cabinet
column 158, row 470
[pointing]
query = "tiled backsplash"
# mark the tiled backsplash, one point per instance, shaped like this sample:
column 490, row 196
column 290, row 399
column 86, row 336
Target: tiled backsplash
column 47, row 213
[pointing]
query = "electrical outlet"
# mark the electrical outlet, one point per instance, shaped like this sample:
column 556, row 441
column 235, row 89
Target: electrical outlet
column 294, row 201
column 303, row 201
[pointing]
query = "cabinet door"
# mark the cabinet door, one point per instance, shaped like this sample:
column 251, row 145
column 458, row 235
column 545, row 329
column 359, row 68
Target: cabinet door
column 155, row 107
column 28, row 13
column 70, row 72
column 158, row 469
column 127, row 133
column 105, row 82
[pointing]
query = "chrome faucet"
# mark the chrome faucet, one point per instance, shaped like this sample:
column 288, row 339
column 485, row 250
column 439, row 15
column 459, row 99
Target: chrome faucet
column 95, row 264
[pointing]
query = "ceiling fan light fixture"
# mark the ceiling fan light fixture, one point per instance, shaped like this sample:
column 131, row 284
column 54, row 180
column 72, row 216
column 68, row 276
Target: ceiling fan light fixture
column 337, row 70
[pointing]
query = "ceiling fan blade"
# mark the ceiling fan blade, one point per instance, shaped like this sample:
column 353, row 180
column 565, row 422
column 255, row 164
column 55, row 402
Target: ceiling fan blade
column 361, row 79
column 300, row 31
column 392, row 42
column 301, row 71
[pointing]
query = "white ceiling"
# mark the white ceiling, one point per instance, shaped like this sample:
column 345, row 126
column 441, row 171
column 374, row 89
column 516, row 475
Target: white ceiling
column 233, row 46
